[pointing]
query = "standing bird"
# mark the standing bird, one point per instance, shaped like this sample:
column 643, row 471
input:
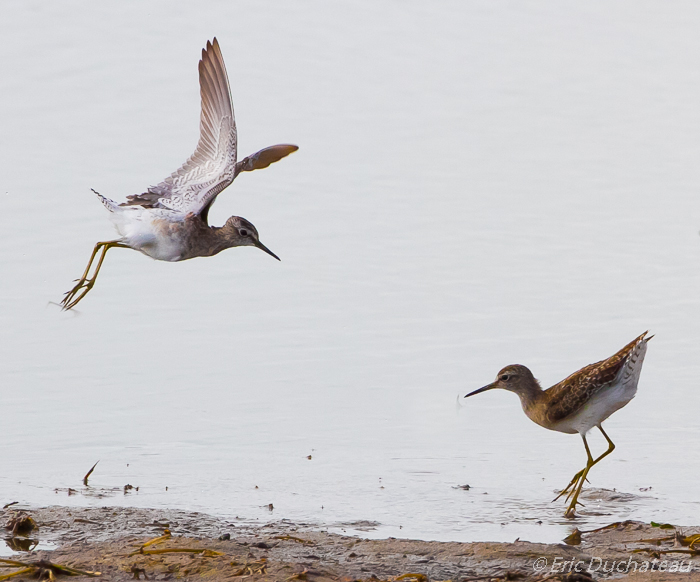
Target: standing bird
column 168, row 222
column 578, row 403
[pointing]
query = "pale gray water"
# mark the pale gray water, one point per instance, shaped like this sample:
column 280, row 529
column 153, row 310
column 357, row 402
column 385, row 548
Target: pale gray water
column 478, row 184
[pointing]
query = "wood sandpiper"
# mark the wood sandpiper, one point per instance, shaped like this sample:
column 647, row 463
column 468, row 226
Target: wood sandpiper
column 168, row 222
column 578, row 403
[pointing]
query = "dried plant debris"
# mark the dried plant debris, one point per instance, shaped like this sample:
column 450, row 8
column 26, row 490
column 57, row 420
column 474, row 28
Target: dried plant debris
column 123, row 545
column 252, row 568
column 20, row 523
column 692, row 541
column 166, row 536
column 42, row 569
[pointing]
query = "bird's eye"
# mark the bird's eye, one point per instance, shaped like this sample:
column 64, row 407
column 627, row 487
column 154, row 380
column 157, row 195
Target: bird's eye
column 504, row 377
column 244, row 232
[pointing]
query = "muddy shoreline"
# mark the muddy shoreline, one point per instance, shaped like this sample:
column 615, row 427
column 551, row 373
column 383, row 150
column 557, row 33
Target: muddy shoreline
column 195, row 546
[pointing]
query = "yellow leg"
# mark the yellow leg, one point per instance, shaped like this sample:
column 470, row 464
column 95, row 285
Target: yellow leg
column 571, row 510
column 85, row 283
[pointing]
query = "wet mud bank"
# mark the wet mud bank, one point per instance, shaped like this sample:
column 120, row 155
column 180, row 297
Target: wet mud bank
column 128, row 544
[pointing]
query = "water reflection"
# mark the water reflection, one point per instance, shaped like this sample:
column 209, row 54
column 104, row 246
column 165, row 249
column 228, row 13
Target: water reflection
column 21, row 544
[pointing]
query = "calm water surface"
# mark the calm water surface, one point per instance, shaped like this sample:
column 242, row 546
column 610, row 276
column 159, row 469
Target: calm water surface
column 478, row 184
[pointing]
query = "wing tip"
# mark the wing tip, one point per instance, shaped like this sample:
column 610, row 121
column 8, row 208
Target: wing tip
column 212, row 46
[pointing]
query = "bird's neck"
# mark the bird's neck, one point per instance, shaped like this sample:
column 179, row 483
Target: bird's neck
column 219, row 239
column 208, row 241
column 530, row 396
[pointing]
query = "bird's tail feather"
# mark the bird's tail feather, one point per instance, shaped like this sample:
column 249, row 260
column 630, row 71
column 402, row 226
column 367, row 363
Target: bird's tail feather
column 110, row 205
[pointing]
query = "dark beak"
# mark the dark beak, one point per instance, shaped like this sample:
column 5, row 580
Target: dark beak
column 262, row 247
column 484, row 389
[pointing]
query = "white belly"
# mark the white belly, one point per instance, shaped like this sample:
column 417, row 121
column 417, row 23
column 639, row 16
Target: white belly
column 152, row 232
column 597, row 409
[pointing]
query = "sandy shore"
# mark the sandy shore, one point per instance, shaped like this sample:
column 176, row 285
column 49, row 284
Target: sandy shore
column 195, row 546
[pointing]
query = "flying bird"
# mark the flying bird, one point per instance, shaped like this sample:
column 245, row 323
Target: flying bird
column 169, row 222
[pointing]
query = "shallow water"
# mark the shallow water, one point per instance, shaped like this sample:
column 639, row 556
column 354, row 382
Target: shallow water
column 478, row 184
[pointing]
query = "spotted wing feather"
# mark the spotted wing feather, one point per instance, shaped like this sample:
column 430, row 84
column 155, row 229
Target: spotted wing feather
column 572, row 393
column 212, row 166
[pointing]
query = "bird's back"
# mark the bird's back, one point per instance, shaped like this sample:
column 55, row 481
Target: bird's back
column 590, row 395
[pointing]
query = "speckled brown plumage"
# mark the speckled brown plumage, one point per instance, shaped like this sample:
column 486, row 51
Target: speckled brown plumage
column 550, row 407
column 580, row 402
column 568, row 396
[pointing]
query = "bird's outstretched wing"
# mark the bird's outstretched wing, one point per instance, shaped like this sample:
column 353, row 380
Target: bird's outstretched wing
column 257, row 161
column 212, row 166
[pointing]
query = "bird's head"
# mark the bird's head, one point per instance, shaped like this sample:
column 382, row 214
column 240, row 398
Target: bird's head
column 242, row 233
column 514, row 378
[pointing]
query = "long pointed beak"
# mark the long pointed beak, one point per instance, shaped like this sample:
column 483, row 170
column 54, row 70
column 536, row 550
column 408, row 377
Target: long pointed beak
column 262, row 247
column 484, row 389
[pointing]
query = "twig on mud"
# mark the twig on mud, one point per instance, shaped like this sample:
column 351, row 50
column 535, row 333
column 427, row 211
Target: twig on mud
column 654, row 551
column 166, row 536
column 17, row 573
column 85, row 479
column 298, row 576
column 293, row 539
column 249, row 569
column 204, row 551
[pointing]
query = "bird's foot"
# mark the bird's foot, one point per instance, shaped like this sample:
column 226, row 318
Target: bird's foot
column 571, row 510
column 571, row 487
column 70, row 300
